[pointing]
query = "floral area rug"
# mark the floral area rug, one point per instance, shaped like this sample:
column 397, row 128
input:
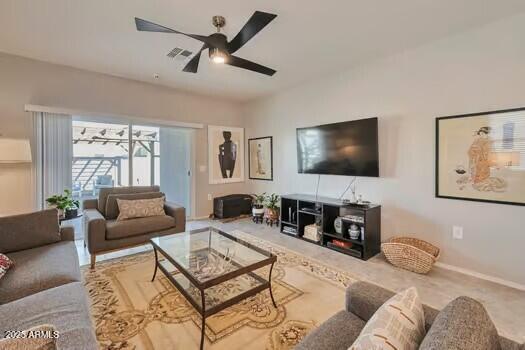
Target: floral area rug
column 131, row 312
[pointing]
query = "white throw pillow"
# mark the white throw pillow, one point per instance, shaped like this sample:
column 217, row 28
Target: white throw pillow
column 399, row 324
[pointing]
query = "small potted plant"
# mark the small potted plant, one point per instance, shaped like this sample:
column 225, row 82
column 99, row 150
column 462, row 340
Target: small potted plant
column 272, row 206
column 258, row 204
column 66, row 205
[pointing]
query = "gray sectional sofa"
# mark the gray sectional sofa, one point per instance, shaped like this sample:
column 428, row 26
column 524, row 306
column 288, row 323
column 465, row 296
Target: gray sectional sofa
column 462, row 325
column 104, row 233
column 45, row 284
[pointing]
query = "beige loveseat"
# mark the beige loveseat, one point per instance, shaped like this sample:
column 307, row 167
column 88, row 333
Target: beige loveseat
column 104, row 233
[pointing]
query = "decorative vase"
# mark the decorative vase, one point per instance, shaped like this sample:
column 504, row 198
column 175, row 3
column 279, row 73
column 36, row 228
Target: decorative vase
column 338, row 225
column 272, row 214
column 257, row 211
column 354, row 231
column 71, row 213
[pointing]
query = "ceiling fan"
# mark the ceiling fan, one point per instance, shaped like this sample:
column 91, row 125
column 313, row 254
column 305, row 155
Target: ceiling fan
column 220, row 49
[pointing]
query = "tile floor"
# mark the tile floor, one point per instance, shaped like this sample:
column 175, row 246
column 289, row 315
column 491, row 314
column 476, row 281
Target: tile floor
column 505, row 305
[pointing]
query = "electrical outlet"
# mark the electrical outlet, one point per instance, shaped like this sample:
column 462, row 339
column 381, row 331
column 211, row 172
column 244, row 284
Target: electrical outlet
column 457, row 232
column 209, row 197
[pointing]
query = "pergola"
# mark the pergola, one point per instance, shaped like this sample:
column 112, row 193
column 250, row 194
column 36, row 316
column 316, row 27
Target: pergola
column 87, row 168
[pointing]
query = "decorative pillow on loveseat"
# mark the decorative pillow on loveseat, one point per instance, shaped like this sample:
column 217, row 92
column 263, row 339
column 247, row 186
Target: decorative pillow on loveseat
column 463, row 324
column 140, row 208
column 112, row 211
column 5, row 264
column 398, row 324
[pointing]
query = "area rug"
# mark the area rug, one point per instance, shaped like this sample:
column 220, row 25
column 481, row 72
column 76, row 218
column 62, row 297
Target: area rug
column 131, row 312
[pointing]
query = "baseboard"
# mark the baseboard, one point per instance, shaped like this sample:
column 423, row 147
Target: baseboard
column 198, row 218
column 481, row 276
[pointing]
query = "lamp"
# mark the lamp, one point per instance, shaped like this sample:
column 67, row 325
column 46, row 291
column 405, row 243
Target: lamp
column 14, row 151
column 217, row 56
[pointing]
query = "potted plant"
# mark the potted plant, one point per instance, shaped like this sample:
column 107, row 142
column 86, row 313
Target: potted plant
column 66, row 205
column 258, row 204
column 272, row 206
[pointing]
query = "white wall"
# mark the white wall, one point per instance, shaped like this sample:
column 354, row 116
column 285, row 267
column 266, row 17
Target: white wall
column 24, row 81
column 473, row 72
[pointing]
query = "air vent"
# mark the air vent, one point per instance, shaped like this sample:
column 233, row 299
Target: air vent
column 179, row 53
column 174, row 52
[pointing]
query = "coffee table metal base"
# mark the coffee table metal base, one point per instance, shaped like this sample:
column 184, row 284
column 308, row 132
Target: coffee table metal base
column 216, row 308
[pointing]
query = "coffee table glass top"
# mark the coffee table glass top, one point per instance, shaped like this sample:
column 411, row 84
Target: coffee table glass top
column 209, row 254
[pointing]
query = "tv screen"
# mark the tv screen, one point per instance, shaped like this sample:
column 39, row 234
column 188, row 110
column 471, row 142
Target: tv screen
column 347, row 148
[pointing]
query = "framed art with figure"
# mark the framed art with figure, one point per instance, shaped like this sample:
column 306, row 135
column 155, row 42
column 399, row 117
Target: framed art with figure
column 481, row 157
column 260, row 158
column 225, row 154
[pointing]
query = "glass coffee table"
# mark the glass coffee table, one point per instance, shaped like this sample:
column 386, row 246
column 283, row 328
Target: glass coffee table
column 212, row 269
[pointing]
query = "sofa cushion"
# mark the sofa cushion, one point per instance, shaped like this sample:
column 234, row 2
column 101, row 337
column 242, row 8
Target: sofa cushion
column 31, row 230
column 463, row 324
column 65, row 307
column 398, row 324
column 134, row 227
column 105, row 192
column 140, row 208
column 38, row 269
column 337, row 333
column 112, row 210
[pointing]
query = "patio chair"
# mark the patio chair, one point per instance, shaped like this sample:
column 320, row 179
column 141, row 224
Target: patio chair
column 76, row 189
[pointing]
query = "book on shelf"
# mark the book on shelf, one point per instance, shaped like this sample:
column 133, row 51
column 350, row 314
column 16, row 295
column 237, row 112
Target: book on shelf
column 290, row 230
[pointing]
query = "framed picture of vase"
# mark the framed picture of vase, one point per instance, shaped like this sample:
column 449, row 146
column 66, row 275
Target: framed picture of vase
column 225, row 154
column 481, row 157
column 260, row 158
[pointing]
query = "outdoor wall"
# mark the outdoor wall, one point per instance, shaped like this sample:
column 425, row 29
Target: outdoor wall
column 24, row 81
column 476, row 71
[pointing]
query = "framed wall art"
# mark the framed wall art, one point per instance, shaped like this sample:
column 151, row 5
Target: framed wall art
column 260, row 158
column 225, row 154
column 481, row 157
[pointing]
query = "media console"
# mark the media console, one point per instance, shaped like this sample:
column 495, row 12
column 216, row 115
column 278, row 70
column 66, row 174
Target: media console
column 299, row 211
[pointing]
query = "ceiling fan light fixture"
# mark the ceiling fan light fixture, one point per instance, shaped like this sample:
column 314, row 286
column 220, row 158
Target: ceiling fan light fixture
column 217, row 56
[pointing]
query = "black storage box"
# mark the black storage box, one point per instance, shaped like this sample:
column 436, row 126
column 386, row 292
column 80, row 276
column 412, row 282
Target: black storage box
column 232, row 205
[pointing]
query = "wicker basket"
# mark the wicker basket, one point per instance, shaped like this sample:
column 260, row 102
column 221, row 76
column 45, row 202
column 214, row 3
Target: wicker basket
column 410, row 254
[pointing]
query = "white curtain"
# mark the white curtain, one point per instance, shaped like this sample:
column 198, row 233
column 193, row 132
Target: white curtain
column 52, row 147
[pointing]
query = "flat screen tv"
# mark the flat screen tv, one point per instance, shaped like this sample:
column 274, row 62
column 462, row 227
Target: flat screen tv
column 347, row 148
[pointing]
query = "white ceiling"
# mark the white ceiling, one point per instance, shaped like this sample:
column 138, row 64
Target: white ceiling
column 308, row 38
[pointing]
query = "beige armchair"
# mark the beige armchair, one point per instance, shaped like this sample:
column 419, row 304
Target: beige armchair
column 104, row 233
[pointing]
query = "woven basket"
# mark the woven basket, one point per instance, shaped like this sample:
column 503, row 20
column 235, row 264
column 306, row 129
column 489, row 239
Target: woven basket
column 411, row 254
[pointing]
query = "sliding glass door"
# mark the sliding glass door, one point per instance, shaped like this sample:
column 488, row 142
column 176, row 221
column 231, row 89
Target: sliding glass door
column 175, row 165
column 125, row 154
column 146, row 155
column 100, row 157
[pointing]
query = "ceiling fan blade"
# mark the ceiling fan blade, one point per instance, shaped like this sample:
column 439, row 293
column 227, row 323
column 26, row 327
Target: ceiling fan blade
column 193, row 64
column 255, row 24
column 249, row 65
column 147, row 26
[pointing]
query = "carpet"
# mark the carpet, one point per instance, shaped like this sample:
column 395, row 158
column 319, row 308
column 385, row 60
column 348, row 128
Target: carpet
column 131, row 312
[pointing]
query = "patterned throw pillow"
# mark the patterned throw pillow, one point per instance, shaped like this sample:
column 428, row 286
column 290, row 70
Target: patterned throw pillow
column 399, row 324
column 140, row 208
column 5, row 264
